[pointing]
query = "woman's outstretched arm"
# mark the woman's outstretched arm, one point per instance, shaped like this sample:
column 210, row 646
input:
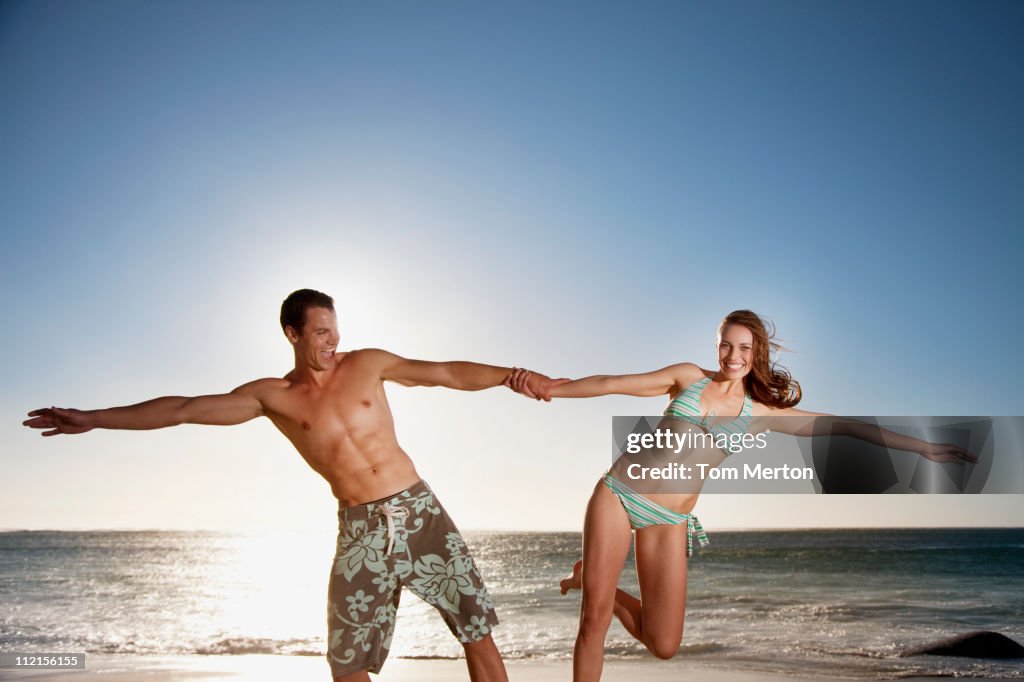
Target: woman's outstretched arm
column 803, row 423
column 659, row 382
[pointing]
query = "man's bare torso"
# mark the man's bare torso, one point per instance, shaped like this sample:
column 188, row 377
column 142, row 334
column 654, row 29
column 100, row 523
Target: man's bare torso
column 343, row 427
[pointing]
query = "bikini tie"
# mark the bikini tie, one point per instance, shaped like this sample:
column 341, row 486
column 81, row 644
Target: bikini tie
column 390, row 513
column 693, row 527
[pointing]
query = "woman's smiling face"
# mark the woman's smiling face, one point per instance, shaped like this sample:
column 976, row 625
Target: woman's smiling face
column 735, row 351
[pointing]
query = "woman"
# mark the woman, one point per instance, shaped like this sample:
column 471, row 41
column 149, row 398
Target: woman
column 746, row 384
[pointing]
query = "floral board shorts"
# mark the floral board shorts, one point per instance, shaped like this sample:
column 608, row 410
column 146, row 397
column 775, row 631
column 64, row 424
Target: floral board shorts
column 403, row 540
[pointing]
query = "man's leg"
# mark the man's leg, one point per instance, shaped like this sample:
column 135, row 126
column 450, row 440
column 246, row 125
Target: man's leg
column 362, row 597
column 443, row 574
column 484, row 661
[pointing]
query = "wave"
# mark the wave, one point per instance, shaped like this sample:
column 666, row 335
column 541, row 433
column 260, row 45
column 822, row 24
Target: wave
column 231, row 646
column 636, row 650
column 244, row 645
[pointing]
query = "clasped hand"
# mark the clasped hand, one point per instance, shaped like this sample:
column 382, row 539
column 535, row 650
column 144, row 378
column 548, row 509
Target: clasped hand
column 532, row 384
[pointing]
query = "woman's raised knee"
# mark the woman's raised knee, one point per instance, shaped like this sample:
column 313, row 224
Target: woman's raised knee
column 664, row 647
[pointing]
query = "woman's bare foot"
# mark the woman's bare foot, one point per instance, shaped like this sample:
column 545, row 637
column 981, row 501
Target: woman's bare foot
column 574, row 581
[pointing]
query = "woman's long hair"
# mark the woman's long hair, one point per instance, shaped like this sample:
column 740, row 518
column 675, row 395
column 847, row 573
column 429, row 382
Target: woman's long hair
column 767, row 382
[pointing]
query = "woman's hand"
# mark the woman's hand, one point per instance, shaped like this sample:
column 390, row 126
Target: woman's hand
column 532, row 384
column 946, row 453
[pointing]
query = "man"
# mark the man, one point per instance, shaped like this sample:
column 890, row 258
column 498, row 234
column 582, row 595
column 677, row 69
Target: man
column 392, row 530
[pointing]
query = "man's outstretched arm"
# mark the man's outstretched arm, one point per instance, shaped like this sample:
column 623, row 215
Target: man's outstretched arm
column 236, row 407
column 460, row 375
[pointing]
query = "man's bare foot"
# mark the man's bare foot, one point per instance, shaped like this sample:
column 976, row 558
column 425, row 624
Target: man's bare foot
column 574, row 581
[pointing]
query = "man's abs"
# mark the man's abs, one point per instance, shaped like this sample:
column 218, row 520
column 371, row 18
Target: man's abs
column 375, row 481
column 358, row 475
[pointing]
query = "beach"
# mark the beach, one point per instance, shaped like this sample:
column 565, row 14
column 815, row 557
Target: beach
column 258, row 667
column 761, row 605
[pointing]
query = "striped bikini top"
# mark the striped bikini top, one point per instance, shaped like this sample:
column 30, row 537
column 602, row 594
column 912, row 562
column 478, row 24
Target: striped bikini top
column 686, row 406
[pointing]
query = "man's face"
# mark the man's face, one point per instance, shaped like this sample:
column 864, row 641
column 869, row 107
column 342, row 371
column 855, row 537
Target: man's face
column 319, row 338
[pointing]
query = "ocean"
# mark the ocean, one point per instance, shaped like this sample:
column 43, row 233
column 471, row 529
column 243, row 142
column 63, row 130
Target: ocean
column 806, row 602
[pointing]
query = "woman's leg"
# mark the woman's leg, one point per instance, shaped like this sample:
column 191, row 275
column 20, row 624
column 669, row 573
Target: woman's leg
column 606, row 540
column 656, row 619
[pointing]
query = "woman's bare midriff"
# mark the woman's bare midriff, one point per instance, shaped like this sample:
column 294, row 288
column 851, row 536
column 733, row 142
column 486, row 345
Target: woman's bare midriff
column 679, row 496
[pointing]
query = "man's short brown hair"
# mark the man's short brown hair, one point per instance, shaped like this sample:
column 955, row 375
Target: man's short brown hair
column 293, row 310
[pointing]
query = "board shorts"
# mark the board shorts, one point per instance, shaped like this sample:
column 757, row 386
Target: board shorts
column 404, row 540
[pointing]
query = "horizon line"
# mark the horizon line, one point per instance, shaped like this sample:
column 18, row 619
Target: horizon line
column 488, row 530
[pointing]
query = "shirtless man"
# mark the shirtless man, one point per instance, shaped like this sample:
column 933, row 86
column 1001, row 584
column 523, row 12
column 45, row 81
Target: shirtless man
column 392, row 529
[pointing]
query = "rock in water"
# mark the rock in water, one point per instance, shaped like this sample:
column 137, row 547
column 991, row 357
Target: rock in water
column 981, row 644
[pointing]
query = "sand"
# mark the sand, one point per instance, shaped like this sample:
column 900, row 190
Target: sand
column 114, row 668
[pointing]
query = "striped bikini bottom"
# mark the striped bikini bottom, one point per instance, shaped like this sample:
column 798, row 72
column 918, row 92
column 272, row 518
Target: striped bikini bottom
column 643, row 513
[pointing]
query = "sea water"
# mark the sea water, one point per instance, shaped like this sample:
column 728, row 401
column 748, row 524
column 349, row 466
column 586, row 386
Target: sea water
column 803, row 602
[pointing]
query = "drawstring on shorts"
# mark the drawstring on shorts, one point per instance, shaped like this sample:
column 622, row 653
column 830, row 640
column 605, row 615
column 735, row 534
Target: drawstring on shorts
column 391, row 512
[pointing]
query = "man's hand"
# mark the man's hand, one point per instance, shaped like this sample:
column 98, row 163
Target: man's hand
column 58, row 420
column 532, row 384
column 947, row 453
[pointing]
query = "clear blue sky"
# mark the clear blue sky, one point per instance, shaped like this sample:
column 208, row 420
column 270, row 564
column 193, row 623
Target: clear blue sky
column 578, row 187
